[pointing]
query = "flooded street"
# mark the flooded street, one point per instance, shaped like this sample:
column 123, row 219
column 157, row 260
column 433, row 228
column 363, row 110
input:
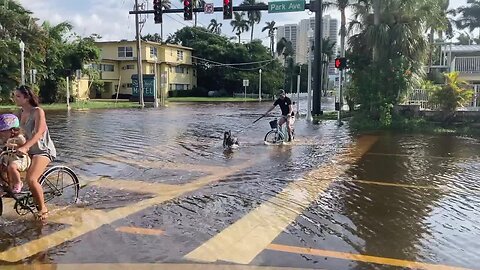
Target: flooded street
column 159, row 188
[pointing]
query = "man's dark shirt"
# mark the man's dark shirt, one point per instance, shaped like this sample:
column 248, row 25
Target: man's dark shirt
column 283, row 104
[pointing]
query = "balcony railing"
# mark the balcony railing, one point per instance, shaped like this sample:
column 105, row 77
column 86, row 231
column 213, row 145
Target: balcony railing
column 467, row 64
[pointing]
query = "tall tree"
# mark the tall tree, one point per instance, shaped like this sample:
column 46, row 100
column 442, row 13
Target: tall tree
column 239, row 24
column 254, row 16
column 166, row 4
column 285, row 48
column 270, row 26
column 469, row 16
column 215, row 27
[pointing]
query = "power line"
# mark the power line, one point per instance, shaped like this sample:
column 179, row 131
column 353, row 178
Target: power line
column 268, row 62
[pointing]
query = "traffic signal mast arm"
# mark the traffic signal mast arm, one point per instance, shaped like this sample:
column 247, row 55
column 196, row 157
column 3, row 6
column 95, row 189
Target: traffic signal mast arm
column 201, row 9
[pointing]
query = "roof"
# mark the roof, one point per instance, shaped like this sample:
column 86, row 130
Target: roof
column 463, row 48
column 144, row 41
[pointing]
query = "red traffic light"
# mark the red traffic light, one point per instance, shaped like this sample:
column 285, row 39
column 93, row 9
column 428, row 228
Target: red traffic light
column 227, row 9
column 341, row 62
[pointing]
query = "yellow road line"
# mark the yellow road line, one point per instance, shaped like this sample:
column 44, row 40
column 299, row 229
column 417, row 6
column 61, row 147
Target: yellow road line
column 135, row 186
column 245, row 239
column 416, row 156
column 396, row 184
column 138, row 230
column 168, row 165
column 361, row 258
column 94, row 219
column 146, row 266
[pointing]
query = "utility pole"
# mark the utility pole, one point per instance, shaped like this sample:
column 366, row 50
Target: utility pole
column 139, row 59
column 317, row 67
column 309, row 83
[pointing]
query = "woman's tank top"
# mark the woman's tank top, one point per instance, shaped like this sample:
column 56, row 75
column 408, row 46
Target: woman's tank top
column 45, row 144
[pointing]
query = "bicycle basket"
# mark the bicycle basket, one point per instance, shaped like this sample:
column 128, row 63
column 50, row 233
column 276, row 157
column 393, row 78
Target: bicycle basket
column 273, row 124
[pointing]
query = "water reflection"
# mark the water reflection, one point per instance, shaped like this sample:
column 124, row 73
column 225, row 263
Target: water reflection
column 425, row 213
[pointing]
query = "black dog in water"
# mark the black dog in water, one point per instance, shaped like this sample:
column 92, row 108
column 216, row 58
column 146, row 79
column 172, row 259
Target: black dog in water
column 229, row 142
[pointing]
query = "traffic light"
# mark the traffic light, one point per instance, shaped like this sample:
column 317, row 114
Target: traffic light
column 157, row 11
column 341, row 63
column 227, row 9
column 187, row 10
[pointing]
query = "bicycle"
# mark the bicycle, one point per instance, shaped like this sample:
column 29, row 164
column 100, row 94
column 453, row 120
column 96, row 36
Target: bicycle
column 54, row 191
column 277, row 135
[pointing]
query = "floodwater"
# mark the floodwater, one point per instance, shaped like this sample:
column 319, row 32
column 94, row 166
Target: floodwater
column 411, row 198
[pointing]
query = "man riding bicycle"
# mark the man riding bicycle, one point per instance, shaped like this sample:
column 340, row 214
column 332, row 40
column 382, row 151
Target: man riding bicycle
column 286, row 106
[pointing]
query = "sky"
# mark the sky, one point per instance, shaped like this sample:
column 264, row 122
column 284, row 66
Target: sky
column 110, row 18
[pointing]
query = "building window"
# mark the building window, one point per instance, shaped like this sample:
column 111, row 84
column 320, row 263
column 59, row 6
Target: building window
column 194, row 73
column 153, row 52
column 179, row 70
column 108, row 67
column 179, row 55
column 178, row 87
column 130, row 67
column 125, row 52
column 129, row 85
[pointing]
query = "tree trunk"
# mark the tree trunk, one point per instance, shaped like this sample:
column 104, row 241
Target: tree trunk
column 251, row 34
column 376, row 22
column 195, row 19
column 238, row 38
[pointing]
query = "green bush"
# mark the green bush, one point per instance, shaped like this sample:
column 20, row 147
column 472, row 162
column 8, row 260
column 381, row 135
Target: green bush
column 455, row 93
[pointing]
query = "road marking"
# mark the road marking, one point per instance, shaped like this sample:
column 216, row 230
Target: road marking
column 361, row 258
column 418, row 156
column 90, row 220
column 242, row 241
column 149, row 266
column 443, row 187
column 135, row 186
column 138, row 230
column 397, row 184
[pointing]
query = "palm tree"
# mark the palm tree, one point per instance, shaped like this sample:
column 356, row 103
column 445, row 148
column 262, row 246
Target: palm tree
column 341, row 5
column 196, row 4
column 239, row 24
column 254, row 16
column 470, row 16
column 285, row 48
column 215, row 27
column 166, row 4
column 270, row 26
column 400, row 49
column 328, row 50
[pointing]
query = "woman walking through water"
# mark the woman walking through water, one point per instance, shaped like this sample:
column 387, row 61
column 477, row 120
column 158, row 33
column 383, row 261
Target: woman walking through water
column 39, row 145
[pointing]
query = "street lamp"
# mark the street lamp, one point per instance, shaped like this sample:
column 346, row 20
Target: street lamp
column 22, row 56
column 260, row 85
column 155, row 89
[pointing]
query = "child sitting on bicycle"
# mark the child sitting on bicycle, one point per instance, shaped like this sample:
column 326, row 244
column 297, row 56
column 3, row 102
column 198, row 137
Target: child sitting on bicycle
column 12, row 138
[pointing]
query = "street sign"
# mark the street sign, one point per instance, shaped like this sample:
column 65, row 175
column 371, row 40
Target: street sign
column 208, row 8
column 286, row 6
column 246, row 82
column 148, row 85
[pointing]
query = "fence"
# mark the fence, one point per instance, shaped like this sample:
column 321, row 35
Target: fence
column 422, row 97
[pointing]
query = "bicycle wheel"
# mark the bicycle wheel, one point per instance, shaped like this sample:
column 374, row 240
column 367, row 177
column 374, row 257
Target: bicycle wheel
column 60, row 186
column 273, row 137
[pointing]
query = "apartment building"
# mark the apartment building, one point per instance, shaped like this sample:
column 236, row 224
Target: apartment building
column 118, row 62
column 300, row 40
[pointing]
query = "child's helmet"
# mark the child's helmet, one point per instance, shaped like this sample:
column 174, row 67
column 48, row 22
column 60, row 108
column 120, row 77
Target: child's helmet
column 8, row 121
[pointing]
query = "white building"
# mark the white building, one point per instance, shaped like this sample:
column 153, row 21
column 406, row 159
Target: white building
column 298, row 35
